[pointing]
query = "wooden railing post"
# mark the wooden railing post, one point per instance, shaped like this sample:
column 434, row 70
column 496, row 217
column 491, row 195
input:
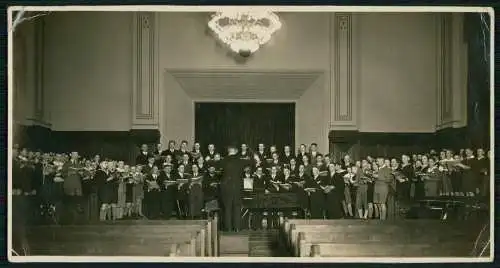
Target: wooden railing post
column 202, row 242
column 209, row 238
column 216, row 234
column 299, row 248
column 192, row 247
column 290, row 237
column 174, row 250
column 315, row 251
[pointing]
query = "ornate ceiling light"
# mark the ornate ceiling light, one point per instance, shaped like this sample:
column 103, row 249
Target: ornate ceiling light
column 244, row 32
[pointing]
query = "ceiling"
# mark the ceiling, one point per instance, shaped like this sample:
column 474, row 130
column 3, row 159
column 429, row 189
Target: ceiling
column 245, row 85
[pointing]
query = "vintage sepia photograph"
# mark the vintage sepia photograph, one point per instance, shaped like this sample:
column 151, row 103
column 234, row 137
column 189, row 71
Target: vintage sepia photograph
column 250, row 134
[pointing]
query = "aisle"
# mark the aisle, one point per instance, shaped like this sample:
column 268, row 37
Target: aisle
column 234, row 244
column 261, row 243
column 264, row 243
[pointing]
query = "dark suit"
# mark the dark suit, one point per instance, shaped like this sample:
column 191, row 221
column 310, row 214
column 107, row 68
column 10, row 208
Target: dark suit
column 172, row 153
column 183, row 193
column 232, row 167
column 152, row 197
column 286, row 158
column 167, row 195
column 142, row 158
column 196, row 203
column 316, row 199
column 147, row 169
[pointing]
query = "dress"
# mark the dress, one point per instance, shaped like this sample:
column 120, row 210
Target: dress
column 121, row 193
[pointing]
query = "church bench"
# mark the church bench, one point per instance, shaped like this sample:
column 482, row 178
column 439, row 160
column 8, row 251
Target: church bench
column 203, row 235
column 119, row 242
column 449, row 244
column 366, row 228
column 346, row 231
column 377, row 249
column 178, row 246
column 287, row 223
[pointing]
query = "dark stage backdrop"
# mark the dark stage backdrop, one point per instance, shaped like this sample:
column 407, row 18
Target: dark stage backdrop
column 251, row 123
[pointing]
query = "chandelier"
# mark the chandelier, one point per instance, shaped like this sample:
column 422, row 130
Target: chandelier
column 244, row 32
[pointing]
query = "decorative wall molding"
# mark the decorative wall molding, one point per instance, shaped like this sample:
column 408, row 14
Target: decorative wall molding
column 451, row 59
column 459, row 74
column 39, row 59
column 226, row 85
column 19, row 67
column 145, row 70
column 343, row 91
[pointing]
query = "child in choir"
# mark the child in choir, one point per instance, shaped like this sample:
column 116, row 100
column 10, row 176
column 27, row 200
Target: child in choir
column 372, row 174
column 362, row 189
column 129, row 192
column 113, row 184
column 122, row 177
column 381, row 190
column 347, row 201
column 139, row 191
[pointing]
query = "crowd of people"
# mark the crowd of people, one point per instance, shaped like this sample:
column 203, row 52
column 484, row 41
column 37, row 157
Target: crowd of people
column 186, row 182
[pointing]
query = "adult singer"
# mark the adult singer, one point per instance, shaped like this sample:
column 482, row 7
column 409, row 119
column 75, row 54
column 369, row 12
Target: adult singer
column 230, row 187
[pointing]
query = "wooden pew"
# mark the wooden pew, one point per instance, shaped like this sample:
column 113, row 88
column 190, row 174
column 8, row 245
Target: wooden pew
column 415, row 237
column 291, row 228
column 137, row 238
column 449, row 249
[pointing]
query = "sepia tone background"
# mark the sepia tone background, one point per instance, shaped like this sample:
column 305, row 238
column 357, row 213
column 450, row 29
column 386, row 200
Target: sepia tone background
column 363, row 83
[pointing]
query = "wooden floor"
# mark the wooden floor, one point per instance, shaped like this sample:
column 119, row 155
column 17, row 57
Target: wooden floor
column 261, row 243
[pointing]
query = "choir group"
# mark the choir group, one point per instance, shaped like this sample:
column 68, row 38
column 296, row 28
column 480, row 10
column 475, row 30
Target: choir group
column 186, row 182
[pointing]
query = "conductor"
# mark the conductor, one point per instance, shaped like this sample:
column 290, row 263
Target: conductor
column 230, row 186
